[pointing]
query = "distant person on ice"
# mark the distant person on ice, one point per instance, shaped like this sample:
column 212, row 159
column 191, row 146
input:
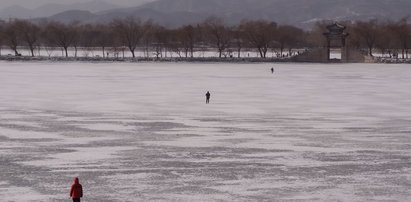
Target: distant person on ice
column 76, row 191
column 208, row 95
column 272, row 70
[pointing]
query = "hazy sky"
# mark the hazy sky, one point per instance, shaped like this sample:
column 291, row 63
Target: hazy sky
column 37, row 3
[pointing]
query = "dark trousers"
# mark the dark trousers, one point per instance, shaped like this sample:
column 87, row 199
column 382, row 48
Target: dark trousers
column 76, row 199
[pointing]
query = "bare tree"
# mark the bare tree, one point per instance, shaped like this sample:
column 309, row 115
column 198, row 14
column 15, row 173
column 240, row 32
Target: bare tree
column 161, row 39
column 259, row 34
column 238, row 40
column 88, row 38
column 2, row 27
column 29, row 32
column 148, row 38
column 130, row 31
column 79, row 31
column 175, row 44
column 61, row 35
column 289, row 37
column 44, row 39
column 11, row 36
column 104, row 37
column 368, row 33
column 401, row 31
column 218, row 33
column 386, row 41
column 187, row 38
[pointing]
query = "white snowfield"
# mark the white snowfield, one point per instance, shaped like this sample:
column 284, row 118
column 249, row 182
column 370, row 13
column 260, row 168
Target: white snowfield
column 142, row 132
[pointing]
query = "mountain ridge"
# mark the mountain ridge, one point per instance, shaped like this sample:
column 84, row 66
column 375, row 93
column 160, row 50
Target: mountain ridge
column 51, row 9
column 302, row 13
column 295, row 12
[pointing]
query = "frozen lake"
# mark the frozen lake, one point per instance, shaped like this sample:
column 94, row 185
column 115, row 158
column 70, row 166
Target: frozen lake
column 142, row 132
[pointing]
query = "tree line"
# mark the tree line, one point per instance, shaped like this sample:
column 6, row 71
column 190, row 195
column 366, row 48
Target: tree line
column 130, row 34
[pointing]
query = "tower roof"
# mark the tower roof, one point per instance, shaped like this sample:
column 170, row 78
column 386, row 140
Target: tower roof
column 336, row 28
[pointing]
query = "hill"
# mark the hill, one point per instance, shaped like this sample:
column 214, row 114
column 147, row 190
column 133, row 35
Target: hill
column 51, row 9
column 302, row 13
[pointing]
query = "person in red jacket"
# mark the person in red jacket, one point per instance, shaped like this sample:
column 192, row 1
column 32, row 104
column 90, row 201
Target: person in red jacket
column 76, row 191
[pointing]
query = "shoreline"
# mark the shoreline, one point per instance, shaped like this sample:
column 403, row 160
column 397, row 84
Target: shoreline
column 141, row 59
column 183, row 59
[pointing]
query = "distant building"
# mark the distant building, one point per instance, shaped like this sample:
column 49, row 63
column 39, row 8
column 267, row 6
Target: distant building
column 336, row 46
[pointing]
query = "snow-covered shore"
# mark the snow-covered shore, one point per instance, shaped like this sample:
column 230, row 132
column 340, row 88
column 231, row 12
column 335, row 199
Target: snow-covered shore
column 141, row 59
column 175, row 59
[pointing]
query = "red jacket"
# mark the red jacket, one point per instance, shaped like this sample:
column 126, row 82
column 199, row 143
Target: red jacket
column 76, row 190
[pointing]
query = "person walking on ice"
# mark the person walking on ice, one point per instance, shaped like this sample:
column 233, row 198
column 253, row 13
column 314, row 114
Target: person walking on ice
column 272, row 70
column 208, row 95
column 76, row 191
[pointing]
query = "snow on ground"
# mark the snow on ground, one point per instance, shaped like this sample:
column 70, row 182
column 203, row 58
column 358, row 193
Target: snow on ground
column 142, row 132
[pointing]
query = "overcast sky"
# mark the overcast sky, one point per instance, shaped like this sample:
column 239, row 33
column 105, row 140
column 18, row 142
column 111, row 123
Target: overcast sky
column 37, row 3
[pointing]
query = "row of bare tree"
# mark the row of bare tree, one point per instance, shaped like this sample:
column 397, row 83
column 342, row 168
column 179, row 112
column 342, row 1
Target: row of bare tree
column 212, row 34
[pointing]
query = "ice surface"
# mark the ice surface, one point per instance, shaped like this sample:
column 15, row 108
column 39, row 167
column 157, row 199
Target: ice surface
column 142, row 131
